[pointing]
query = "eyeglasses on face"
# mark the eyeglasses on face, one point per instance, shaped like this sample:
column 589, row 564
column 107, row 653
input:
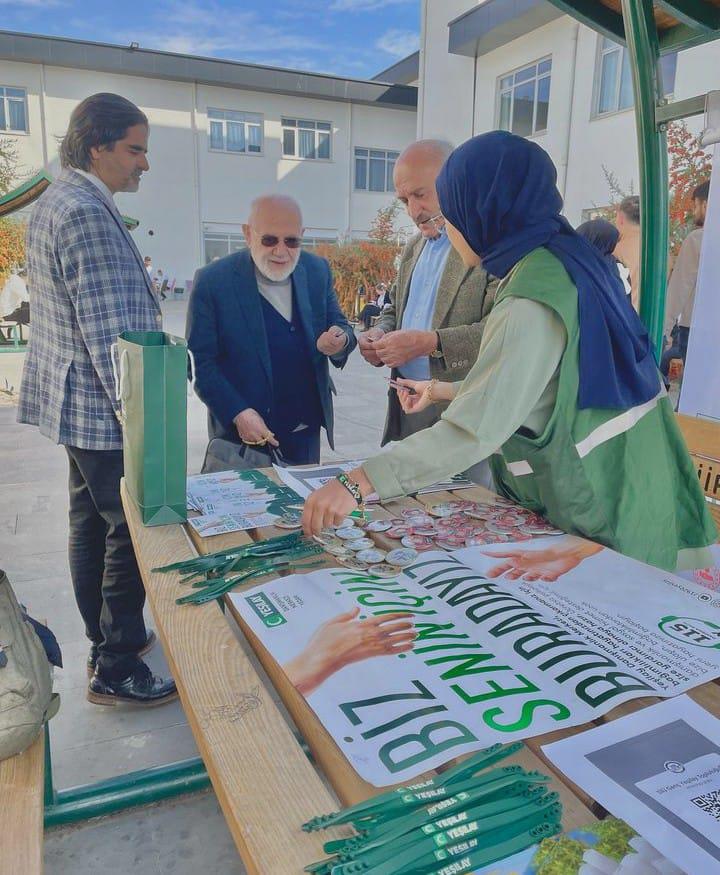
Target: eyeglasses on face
column 271, row 240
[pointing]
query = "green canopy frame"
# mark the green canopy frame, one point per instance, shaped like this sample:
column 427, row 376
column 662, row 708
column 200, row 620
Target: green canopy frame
column 650, row 29
column 30, row 190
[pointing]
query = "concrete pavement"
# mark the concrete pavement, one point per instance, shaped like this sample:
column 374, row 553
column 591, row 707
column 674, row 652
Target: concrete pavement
column 89, row 742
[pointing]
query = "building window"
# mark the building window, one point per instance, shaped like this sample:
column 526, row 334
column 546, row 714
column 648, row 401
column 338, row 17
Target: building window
column 232, row 131
column 13, row 110
column 524, row 98
column 302, row 138
column 374, row 169
column 218, row 244
column 613, row 83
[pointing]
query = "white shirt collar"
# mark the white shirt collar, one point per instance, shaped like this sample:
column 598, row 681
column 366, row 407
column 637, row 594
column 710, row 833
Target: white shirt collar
column 96, row 181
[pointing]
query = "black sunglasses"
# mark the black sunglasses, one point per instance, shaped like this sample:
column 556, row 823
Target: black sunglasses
column 271, row 240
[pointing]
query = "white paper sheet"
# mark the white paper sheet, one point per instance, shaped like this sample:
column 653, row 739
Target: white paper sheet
column 659, row 770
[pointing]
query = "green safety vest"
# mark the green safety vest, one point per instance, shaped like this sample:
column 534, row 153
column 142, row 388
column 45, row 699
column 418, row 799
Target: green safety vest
column 621, row 478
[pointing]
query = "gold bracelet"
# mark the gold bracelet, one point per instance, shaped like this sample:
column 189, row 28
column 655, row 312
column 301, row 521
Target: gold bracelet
column 430, row 388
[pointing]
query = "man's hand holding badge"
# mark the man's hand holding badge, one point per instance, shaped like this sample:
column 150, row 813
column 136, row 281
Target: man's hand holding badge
column 332, row 341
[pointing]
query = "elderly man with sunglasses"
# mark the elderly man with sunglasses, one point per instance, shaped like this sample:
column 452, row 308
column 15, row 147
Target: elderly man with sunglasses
column 262, row 325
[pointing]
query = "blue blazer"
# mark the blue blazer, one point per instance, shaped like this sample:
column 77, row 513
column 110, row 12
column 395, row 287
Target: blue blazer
column 226, row 335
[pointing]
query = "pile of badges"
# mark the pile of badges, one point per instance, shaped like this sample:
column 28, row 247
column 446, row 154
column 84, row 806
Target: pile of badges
column 353, row 549
column 447, row 526
column 455, row 524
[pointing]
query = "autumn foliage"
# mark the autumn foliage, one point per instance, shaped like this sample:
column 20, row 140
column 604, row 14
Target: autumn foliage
column 689, row 165
column 364, row 262
column 12, row 247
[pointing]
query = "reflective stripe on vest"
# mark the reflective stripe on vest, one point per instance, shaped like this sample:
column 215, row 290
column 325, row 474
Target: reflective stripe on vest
column 600, row 435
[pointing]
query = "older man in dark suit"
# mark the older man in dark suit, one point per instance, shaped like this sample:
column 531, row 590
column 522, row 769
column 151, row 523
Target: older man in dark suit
column 87, row 284
column 262, row 325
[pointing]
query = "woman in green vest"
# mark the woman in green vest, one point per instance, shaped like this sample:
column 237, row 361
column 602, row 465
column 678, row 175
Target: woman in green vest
column 565, row 398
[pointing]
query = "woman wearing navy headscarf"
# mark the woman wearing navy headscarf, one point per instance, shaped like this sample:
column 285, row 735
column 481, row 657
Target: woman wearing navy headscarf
column 604, row 236
column 565, row 398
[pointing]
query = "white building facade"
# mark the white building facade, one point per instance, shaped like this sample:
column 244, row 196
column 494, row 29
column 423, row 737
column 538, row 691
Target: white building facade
column 221, row 133
column 524, row 66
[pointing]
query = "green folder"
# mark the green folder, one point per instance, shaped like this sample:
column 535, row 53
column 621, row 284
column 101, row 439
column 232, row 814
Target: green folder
column 151, row 376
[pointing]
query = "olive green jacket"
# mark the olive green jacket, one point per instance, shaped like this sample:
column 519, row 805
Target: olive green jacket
column 464, row 299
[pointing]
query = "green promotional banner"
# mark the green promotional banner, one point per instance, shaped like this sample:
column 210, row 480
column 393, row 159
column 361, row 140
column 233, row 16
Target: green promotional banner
column 152, row 389
column 463, row 650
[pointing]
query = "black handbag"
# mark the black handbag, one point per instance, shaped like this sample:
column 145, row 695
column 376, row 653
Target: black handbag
column 222, row 455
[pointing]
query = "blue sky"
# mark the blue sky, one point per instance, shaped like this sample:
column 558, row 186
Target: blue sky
column 356, row 38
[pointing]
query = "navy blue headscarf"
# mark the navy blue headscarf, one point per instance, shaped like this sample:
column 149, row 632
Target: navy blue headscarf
column 604, row 236
column 499, row 191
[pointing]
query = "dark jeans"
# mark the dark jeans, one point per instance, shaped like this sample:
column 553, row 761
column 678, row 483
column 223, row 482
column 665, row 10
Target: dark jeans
column 104, row 572
column 676, row 350
column 367, row 313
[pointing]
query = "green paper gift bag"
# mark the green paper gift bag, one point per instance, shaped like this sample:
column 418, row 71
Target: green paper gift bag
column 151, row 377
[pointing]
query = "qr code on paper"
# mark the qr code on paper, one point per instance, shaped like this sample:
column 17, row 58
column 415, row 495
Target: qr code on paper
column 709, row 803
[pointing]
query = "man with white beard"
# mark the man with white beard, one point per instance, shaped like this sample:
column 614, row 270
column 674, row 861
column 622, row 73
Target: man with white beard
column 262, row 324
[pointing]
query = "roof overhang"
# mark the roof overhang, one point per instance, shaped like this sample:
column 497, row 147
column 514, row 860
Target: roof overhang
column 152, row 64
column 496, row 22
column 403, row 73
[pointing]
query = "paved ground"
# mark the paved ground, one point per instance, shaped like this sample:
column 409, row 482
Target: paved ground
column 90, row 742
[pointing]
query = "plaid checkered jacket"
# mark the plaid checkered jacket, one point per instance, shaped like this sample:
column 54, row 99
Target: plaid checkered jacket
column 87, row 283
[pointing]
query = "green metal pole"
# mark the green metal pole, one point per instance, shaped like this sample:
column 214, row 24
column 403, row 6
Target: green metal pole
column 644, row 56
column 49, row 796
column 117, row 794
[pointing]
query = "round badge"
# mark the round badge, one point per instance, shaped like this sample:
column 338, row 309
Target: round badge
column 445, row 508
column 425, row 531
column 289, row 521
column 418, row 542
column 328, row 541
column 409, row 512
column 383, row 570
column 359, row 544
column 346, row 533
column 540, row 526
column 398, row 532
column 352, row 562
column 487, row 538
column 401, row 557
column 338, row 550
column 445, row 545
column 378, row 526
column 372, row 556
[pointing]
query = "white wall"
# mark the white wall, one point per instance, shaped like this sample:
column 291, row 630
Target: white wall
column 446, row 81
column 190, row 188
column 581, row 144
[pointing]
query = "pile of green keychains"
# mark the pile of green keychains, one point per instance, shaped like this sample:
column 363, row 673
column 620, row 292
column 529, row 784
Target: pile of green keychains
column 213, row 575
column 468, row 817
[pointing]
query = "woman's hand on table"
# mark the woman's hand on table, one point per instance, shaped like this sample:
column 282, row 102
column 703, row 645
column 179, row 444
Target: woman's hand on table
column 545, row 565
column 345, row 639
column 329, row 505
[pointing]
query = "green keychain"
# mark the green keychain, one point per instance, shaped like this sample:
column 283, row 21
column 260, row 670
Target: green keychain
column 474, row 820
column 391, row 830
column 475, row 834
column 468, row 767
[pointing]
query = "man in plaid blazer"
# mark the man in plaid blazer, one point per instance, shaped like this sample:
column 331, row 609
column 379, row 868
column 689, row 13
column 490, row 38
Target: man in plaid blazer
column 87, row 284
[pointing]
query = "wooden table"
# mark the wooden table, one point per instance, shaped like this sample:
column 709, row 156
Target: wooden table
column 265, row 783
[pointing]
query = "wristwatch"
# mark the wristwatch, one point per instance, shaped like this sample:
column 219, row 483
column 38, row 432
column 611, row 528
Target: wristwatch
column 437, row 353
